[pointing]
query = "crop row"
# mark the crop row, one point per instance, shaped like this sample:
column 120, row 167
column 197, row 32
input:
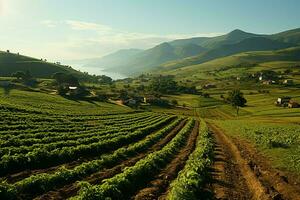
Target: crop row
column 40, row 158
column 64, row 125
column 70, row 141
column 126, row 183
column 31, row 139
column 41, row 183
column 191, row 179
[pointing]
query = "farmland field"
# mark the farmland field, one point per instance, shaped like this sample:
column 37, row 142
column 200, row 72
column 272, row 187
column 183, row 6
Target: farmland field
column 53, row 149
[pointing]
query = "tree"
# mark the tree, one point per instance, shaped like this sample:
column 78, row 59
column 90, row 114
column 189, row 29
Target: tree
column 236, row 99
column 103, row 79
column 19, row 75
column 164, row 85
column 65, row 79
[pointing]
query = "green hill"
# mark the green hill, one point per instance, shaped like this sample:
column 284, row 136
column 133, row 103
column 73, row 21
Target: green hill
column 241, row 63
column 291, row 36
column 249, row 44
column 10, row 63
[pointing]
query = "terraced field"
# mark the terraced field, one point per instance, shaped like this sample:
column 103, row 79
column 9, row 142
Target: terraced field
column 131, row 155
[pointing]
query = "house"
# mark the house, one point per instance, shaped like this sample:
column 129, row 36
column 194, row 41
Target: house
column 73, row 88
column 209, row 85
column 148, row 99
column 288, row 82
column 268, row 82
column 293, row 104
column 283, row 100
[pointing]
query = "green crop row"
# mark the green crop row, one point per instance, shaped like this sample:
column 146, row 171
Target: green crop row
column 191, row 179
column 41, row 183
column 71, row 140
column 125, row 184
column 43, row 158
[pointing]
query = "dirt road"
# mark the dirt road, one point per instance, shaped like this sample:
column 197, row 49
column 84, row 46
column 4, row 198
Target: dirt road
column 240, row 172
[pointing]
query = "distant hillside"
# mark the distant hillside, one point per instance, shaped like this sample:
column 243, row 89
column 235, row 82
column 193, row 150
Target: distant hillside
column 291, row 36
column 249, row 44
column 242, row 60
column 234, row 36
column 10, row 63
column 185, row 52
column 113, row 60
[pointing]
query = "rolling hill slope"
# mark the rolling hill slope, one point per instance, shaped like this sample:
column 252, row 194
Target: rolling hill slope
column 10, row 63
column 244, row 61
column 249, row 44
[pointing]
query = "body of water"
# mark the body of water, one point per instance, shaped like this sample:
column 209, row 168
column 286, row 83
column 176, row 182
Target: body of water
column 99, row 71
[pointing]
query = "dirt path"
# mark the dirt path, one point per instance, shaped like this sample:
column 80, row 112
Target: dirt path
column 96, row 178
column 157, row 188
column 238, row 172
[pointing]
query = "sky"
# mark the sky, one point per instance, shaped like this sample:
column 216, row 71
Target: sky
column 60, row 30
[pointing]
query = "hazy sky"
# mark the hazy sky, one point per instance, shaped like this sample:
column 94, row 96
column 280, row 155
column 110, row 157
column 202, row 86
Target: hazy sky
column 76, row 29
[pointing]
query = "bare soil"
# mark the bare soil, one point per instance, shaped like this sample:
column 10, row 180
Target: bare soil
column 241, row 172
column 157, row 188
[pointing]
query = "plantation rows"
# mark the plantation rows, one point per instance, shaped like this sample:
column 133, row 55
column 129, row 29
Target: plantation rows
column 41, row 157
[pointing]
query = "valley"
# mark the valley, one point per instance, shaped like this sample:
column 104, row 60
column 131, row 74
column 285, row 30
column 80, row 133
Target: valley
column 141, row 109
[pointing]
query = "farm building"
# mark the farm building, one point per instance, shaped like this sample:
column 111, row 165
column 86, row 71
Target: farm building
column 209, row 85
column 293, row 104
column 148, row 99
column 288, row 82
column 268, row 82
column 282, row 101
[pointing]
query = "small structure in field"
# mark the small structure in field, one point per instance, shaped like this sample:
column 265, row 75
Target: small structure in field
column 268, row 82
column 148, row 99
column 283, row 101
column 288, row 82
column 73, row 87
column 209, row 85
column 293, row 104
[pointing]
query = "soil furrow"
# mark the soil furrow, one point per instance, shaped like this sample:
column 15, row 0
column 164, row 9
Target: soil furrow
column 232, row 178
column 96, row 178
column 157, row 188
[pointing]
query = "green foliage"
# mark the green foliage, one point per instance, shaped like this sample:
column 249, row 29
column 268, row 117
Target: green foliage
column 7, row 191
column 281, row 141
column 236, row 99
column 44, row 182
column 124, row 184
column 191, row 180
column 163, row 85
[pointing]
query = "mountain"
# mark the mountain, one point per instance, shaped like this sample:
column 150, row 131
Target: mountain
column 234, row 36
column 184, row 52
column 113, row 60
column 10, row 63
column 145, row 60
column 249, row 44
column 291, row 36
